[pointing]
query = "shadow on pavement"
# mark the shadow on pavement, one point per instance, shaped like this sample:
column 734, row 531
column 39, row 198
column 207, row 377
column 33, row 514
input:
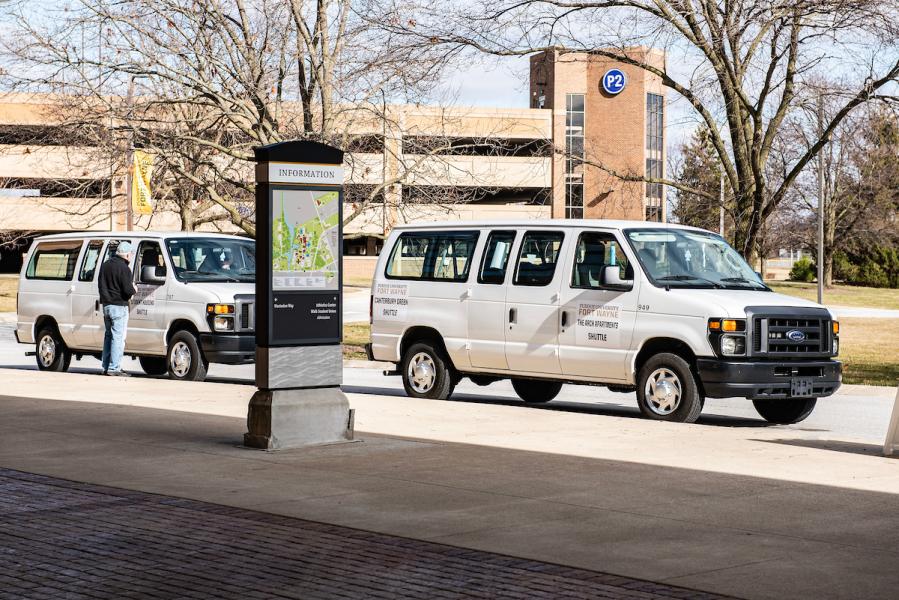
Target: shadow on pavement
column 833, row 445
column 631, row 412
column 748, row 536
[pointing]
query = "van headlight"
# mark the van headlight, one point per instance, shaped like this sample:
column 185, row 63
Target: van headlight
column 223, row 323
column 836, row 346
column 733, row 345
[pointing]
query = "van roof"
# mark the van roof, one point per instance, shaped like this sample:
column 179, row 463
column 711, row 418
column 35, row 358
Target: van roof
column 152, row 235
column 544, row 223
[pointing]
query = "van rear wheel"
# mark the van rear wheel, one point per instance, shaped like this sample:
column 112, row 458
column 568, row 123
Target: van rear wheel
column 534, row 391
column 51, row 352
column 185, row 360
column 153, row 365
column 426, row 373
column 667, row 390
column 786, row 411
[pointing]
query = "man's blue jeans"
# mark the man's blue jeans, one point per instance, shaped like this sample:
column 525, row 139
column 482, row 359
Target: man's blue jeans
column 116, row 320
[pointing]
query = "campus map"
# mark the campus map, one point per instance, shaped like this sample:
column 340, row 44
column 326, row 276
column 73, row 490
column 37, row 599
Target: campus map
column 304, row 240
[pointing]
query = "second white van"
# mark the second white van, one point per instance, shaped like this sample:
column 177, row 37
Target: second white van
column 671, row 313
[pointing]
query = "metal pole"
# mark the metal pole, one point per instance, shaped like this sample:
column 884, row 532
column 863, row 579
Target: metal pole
column 383, row 164
column 721, row 207
column 821, row 202
column 129, row 215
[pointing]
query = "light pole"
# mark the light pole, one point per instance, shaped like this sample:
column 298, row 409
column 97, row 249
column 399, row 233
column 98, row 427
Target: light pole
column 821, row 201
column 129, row 160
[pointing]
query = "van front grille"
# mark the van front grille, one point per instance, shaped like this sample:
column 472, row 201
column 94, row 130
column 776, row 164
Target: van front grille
column 791, row 336
column 246, row 313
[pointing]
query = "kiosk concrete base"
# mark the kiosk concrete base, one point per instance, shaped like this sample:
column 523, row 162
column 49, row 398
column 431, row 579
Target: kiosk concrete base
column 281, row 419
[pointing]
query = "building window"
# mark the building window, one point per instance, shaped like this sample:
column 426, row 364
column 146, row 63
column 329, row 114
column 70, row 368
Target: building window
column 574, row 156
column 655, row 146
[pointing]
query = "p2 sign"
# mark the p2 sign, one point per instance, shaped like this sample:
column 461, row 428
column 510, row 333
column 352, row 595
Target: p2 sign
column 613, row 81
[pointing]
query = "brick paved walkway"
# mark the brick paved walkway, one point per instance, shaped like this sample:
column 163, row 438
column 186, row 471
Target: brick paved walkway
column 60, row 539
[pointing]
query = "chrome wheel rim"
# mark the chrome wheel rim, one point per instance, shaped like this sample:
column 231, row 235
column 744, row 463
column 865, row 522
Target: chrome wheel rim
column 422, row 373
column 663, row 392
column 46, row 350
column 180, row 359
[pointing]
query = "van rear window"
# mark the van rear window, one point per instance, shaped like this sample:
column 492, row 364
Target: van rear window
column 54, row 260
column 432, row 256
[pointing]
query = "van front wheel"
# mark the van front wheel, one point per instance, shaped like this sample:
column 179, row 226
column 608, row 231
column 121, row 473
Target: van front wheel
column 787, row 411
column 535, row 391
column 426, row 373
column 51, row 352
column 667, row 390
column 185, row 360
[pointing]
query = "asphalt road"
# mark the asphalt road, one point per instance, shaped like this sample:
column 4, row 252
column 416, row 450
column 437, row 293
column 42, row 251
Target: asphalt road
column 855, row 414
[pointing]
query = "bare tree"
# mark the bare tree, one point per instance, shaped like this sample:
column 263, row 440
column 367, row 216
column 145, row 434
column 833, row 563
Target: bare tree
column 209, row 80
column 742, row 66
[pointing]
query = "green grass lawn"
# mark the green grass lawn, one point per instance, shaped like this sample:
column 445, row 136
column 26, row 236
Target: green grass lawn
column 355, row 336
column 8, row 287
column 869, row 349
column 841, row 295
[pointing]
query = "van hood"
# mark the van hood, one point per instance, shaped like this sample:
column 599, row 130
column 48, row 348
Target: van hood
column 212, row 292
column 732, row 303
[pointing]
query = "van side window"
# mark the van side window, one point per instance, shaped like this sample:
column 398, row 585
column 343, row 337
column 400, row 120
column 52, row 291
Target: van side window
column 111, row 248
column 537, row 257
column 595, row 251
column 54, row 260
column 432, row 256
column 90, row 260
column 496, row 257
column 149, row 255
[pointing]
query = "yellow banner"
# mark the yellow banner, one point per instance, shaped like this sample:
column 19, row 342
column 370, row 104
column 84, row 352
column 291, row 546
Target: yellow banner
column 140, row 182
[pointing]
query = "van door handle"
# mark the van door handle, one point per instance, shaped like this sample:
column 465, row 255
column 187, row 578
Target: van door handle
column 97, row 305
column 513, row 315
column 466, row 294
column 564, row 318
column 555, row 297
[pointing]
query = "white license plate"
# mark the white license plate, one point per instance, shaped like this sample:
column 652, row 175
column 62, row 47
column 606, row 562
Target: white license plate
column 801, row 387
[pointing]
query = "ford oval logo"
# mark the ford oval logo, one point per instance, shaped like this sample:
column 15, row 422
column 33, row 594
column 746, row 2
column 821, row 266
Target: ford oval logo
column 796, row 335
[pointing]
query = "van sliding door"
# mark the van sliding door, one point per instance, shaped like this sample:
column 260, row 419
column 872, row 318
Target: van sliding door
column 532, row 304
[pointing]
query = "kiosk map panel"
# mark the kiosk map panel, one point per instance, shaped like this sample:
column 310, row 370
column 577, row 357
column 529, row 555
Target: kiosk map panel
column 305, row 240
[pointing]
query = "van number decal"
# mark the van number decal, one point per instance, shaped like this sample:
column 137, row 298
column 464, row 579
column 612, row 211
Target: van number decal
column 643, row 307
column 598, row 324
column 390, row 302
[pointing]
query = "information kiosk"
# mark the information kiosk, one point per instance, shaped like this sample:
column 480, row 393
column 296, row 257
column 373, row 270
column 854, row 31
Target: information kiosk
column 299, row 239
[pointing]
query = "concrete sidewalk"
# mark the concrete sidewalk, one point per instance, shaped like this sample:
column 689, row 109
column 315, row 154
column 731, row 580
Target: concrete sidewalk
column 748, row 512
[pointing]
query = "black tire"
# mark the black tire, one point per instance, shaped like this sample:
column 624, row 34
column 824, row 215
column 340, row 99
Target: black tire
column 682, row 403
column 535, row 391
column 786, row 411
column 51, row 352
column 184, row 359
column 153, row 365
column 483, row 380
column 438, row 384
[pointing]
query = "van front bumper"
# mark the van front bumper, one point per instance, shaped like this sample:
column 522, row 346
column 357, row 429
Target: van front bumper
column 229, row 349
column 763, row 380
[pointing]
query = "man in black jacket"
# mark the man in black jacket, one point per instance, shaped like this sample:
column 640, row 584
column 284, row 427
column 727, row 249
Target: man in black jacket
column 116, row 289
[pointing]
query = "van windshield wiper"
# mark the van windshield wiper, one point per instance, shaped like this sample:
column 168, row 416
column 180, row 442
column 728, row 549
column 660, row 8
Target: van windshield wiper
column 219, row 274
column 744, row 280
column 686, row 277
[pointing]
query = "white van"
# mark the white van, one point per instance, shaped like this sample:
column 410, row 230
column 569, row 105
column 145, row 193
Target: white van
column 673, row 313
column 194, row 304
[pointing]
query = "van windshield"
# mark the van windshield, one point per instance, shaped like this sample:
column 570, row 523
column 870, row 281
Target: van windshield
column 213, row 259
column 688, row 258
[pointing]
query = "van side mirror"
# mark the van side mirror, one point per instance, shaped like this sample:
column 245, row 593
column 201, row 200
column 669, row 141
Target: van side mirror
column 611, row 279
column 149, row 275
